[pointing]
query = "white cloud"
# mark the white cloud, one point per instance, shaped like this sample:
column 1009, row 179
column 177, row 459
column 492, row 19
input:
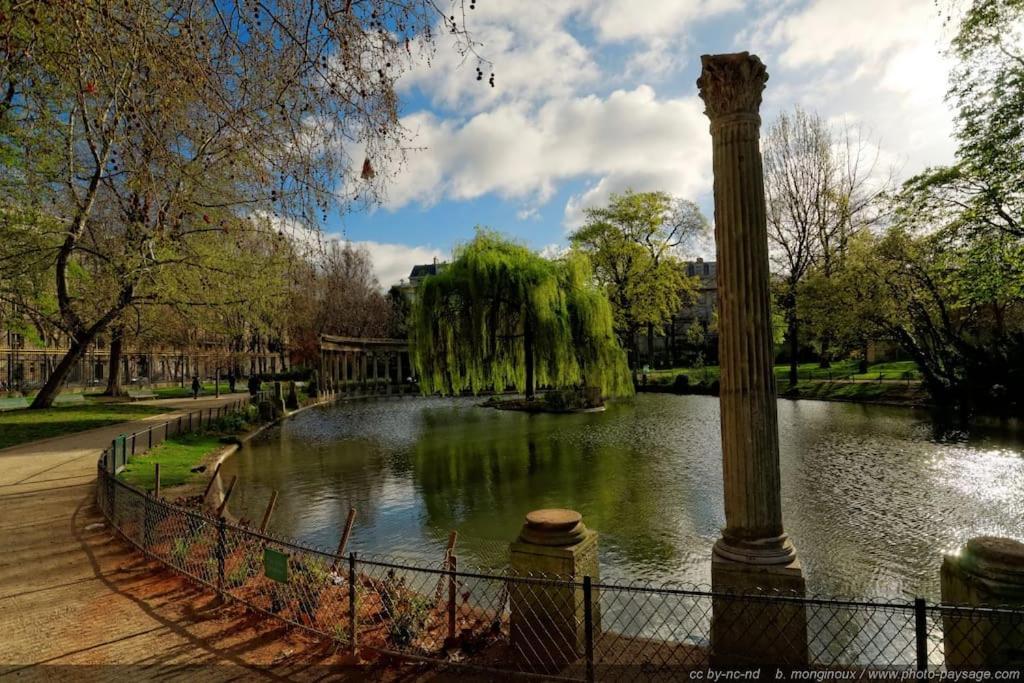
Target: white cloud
column 535, row 57
column 392, row 262
column 553, row 250
column 630, row 138
column 874, row 62
column 617, row 20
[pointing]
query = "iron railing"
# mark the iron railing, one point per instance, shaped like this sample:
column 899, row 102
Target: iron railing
column 554, row 627
column 125, row 446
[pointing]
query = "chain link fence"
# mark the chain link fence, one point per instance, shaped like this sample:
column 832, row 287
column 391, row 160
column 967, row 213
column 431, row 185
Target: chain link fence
column 552, row 627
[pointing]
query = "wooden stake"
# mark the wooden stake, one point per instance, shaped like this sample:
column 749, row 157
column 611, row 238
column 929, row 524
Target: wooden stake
column 449, row 553
column 227, row 494
column 349, row 522
column 156, row 480
column 210, row 483
column 269, row 511
column 452, row 566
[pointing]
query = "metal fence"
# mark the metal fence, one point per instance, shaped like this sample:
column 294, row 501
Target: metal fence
column 125, row 446
column 555, row 627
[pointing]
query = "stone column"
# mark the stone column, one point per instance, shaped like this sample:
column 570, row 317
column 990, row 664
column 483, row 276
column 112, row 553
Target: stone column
column 753, row 552
column 547, row 619
column 362, row 369
column 989, row 571
column 401, row 375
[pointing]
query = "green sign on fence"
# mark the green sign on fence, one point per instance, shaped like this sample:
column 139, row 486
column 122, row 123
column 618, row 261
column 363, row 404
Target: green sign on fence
column 275, row 565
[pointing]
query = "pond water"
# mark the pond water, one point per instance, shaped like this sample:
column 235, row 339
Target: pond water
column 872, row 495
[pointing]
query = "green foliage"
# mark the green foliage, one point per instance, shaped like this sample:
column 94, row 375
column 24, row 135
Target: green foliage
column 499, row 307
column 632, row 244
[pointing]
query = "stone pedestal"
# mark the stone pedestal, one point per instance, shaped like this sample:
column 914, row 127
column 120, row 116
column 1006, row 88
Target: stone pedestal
column 750, row 632
column 547, row 618
column 754, row 552
column 989, row 571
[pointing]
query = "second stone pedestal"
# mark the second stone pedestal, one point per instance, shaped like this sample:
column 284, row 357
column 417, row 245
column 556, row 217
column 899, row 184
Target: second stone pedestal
column 547, row 622
column 988, row 572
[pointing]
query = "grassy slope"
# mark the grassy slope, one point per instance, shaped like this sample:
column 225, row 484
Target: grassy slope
column 209, row 389
column 807, row 371
column 176, row 456
column 884, row 392
column 22, row 426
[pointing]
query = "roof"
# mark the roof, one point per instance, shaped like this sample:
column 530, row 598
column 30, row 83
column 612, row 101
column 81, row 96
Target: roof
column 423, row 270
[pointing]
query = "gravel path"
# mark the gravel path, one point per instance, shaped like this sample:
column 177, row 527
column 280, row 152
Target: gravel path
column 71, row 595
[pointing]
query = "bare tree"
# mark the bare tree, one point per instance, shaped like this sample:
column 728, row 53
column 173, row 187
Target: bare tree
column 821, row 186
column 141, row 128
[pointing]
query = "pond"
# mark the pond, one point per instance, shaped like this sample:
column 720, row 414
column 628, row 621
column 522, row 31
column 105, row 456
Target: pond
column 872, row 495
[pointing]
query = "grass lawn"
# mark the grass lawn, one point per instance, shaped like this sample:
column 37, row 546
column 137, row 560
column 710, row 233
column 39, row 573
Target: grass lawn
column 891, row 392
column 176, row 456
column 209, row 389
column 22, row 426
column 840, row 370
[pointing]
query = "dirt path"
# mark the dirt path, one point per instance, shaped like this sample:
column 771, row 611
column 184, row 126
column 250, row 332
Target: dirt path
column 76, row 602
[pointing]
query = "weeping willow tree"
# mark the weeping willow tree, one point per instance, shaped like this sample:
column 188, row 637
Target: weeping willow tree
column 501, row 315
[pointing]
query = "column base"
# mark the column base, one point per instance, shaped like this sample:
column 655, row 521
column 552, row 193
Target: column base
column 747, row 631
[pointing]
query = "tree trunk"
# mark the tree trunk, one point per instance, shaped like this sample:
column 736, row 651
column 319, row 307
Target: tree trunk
column 114, row 385
column 794, row 348
column 825, row 359
column 52, row 387
column 528, row 355
column 650, row 344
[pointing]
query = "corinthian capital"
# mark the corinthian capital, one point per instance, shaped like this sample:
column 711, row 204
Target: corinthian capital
column 731, row 84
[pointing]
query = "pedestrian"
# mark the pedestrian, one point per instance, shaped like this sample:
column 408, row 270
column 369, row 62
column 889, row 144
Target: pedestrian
column 254, row 384
column 195, row 387
column 231, row 381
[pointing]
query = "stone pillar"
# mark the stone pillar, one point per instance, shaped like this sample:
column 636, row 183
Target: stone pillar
column 988, row 571
column 374, row 378
column 753, row 552
column 546, row 622
column 401, row 375
column 362, row 369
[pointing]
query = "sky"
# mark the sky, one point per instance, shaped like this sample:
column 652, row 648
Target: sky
column 596, row 96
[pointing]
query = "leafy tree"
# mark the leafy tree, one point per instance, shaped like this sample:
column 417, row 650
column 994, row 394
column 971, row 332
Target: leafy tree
column 140, row 129
column 500, row 315
column 820, row 189
column 634, row 246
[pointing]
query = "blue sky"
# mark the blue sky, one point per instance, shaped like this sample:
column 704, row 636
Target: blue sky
column 595, row 96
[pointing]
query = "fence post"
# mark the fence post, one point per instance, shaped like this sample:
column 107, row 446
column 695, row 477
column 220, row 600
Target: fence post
column 353, row 608
column 453, row 565
column 150, row 432
column 222, row 532
column 147, row 522
column 921, row 631
column 133, row 443
column 588, row 626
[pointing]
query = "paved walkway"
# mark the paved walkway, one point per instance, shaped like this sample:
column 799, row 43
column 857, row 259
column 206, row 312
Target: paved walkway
column 71, row 595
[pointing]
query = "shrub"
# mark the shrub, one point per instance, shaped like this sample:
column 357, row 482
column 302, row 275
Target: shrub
column 682, row 383
column 313, row 388
column 292, row 402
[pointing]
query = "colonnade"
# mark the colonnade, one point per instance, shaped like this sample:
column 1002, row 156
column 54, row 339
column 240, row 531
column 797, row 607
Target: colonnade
column 351, row 364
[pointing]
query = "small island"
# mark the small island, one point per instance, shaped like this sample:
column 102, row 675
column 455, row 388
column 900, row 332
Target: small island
column 503, row 316
column 585, row 400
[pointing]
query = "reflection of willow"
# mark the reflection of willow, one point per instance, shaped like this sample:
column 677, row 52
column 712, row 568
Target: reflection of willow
column 481, row 476
column 355, row 469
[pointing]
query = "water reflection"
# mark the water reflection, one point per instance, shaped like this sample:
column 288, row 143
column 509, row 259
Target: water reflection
column 871, row 495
